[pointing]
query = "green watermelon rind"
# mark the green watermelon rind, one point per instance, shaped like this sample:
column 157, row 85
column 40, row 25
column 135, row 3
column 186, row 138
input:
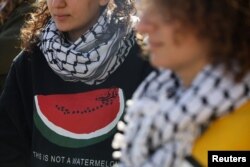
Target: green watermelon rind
column 75, row 140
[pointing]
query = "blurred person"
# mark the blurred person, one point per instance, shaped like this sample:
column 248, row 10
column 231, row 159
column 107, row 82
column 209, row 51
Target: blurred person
column 66, row 91
column 12, row 15
column 199, row 98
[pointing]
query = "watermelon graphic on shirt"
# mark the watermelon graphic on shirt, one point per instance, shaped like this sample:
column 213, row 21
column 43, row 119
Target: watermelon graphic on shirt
column 80, row 119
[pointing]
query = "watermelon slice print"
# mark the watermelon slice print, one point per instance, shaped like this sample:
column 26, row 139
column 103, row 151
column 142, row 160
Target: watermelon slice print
column 81, row 119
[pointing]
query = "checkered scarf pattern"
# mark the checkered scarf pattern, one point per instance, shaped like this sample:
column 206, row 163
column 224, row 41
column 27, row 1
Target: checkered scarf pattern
column 163, row 119
column 93, row 57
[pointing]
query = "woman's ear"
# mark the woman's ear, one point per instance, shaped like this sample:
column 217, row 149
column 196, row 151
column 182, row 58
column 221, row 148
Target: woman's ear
column 103, row 2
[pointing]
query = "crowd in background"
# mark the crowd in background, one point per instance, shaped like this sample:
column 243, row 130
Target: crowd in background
column 12, row 16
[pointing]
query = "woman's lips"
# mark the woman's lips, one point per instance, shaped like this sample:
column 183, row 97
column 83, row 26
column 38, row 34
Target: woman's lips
column 61, row 17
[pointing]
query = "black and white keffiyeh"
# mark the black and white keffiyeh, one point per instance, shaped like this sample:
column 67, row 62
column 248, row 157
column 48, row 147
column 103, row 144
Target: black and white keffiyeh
column 94, row 56
column 163, row 119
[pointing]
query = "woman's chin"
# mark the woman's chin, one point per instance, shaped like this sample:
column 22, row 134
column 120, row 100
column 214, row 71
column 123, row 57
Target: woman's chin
column 154, row 61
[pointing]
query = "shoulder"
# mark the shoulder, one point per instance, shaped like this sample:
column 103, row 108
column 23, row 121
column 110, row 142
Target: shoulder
column 231, row 131
column 25, row 57
column 21, row 57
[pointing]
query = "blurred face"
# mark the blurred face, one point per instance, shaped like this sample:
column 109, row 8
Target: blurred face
column 170, row 48
column 75, row 16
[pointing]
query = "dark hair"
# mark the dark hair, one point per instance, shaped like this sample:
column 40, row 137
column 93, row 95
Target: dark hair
column 33, row 27
column 225, row 24
column 9, row 7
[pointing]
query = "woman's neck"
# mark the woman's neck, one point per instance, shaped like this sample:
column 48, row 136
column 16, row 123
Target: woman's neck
column 188, row 74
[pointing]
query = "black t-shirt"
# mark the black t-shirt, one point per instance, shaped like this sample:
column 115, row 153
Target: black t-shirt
column 48, row 122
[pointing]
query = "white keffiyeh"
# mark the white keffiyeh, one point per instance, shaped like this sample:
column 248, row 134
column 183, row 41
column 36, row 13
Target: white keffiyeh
column 164, row 119
column 94, row 56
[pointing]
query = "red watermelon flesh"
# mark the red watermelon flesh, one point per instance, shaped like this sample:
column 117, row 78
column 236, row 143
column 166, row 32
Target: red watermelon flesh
column 81, row 113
